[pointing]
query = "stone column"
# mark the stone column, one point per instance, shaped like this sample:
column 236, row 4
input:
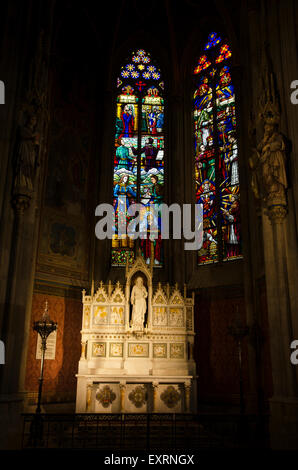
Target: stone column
column 83, row 350
column 155, row 396
column 122, row 387
column 284, row 402
column 278, row 198
column 89, row 397
column 187, row 389
column 175, row 173
column 102, row 250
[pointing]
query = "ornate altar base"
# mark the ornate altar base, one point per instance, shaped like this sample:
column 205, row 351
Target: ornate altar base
column 137, row 348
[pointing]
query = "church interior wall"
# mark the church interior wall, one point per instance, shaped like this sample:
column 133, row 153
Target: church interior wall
column 60, row 204
column 59, row 378
column 215, row 348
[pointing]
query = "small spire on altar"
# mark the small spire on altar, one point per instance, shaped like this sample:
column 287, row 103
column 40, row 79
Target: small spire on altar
column 168, row 289
column 176, row 286
column 45, row 314
column 185, row 291
column 92, row 288
column 110, row 288
column 101, row 284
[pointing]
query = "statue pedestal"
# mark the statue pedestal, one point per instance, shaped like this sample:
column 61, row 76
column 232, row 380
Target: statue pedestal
column 122, row 370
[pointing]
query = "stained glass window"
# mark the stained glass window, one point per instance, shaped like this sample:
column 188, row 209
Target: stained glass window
column 216, row 153
column 139, row 155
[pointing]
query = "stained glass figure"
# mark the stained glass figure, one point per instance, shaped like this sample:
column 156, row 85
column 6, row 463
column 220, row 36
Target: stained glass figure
column 216, row 154
column 139, row 156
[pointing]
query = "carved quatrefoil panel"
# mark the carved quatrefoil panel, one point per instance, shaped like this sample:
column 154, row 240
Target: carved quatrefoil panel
column 170, row 396
column 105, row 396
column 138, row 396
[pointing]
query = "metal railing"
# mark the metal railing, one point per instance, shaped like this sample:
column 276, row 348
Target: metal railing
column 139, row 432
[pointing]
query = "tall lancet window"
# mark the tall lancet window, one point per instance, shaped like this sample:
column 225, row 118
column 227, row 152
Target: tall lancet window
column 139, row 157
column 216, row 153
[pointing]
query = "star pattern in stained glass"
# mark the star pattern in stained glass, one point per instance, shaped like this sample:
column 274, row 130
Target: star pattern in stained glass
column 140, row 61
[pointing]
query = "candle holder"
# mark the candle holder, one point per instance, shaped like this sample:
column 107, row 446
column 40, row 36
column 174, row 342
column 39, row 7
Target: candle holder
column 44, row 327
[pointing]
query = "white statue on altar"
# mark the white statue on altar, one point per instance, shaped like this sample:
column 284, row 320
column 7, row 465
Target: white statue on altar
column 138, row 301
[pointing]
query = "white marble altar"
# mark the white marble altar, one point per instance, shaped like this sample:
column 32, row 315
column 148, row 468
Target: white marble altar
column 137, row 347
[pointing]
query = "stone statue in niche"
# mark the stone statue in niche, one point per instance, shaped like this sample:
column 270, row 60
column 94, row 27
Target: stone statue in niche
column 268, row 165
column 27, row 155
column 138, row 301
column 268, row 162
column 273, row 159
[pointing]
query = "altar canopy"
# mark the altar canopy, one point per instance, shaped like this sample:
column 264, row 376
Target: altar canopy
column 137, row 347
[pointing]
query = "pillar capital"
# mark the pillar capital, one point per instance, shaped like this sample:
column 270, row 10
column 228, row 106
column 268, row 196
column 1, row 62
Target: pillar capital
column 277, row 214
